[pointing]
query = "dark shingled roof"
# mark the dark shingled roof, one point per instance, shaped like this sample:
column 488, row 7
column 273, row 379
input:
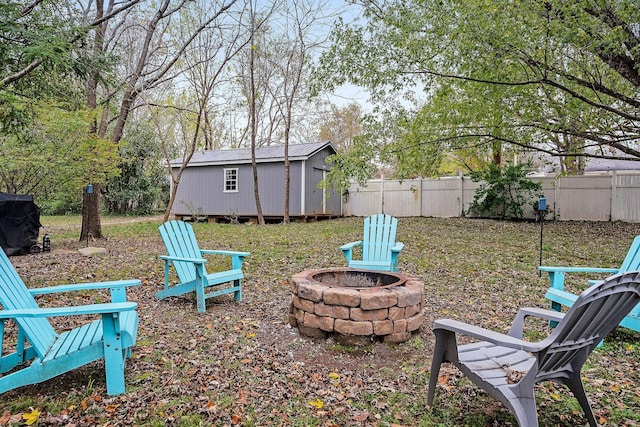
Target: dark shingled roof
column 271, row 153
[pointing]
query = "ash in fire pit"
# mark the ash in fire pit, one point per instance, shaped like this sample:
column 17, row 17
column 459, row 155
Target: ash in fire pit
column 357, row 278
column 356, row 306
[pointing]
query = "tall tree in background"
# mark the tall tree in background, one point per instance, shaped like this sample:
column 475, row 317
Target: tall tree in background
column 44, row 55
column 300, row 23
column 149, row 57
column 525, row 74
column 342, row 126
column 185, row 120
column 253, row 112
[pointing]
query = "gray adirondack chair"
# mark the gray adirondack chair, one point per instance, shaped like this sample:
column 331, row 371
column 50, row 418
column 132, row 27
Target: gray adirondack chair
column 41, row 353
column 189, row 264
column 507, row 367
column 379, row 247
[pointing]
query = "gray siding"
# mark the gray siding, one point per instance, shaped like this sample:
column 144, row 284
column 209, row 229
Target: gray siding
column 201, row 190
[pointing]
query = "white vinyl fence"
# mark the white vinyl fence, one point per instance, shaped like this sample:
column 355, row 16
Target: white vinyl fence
column 613, row 196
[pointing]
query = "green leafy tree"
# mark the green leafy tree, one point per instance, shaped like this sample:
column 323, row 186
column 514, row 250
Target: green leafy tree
column 142, row 187
column 55, row 158
column 42, row 53
column 500, row 76
column 503, row 192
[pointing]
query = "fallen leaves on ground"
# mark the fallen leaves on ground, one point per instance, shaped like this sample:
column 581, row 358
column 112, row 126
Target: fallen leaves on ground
column 243, row 364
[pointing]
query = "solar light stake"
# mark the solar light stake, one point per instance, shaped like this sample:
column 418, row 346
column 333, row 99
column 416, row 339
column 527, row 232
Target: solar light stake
column 542, row 207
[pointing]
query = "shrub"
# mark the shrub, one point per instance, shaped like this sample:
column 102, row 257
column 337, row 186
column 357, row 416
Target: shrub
column 503, row 192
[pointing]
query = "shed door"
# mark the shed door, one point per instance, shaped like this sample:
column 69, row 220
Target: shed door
column 319, row 200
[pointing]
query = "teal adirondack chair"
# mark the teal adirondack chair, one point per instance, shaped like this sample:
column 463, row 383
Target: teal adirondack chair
column 379, row 249
column 42, row 353
column 559, row 297
column 189, row 264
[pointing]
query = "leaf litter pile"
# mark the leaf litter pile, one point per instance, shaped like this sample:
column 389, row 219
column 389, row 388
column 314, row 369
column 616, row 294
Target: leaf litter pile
column 241, row 364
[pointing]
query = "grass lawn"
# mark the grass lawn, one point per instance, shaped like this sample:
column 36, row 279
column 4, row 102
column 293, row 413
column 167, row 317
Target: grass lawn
column 242, row 364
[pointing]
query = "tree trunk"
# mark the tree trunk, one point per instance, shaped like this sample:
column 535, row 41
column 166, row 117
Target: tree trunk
column 91, row 227
column 253, row 125
column 287, row 176
column 172, row 198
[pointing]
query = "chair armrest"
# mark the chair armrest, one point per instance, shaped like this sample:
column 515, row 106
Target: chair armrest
column 177, row 258
column 397, row 247
column 84, row 286
column 237, row 257
column 79, row 310
column 517, row 327
column 347, row 250
column 577, row 269
column 556, row 274
column 350, row 246
column 220, row 252
column 485, row 335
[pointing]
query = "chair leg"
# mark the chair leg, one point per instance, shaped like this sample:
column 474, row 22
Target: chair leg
column 575, row 385
column 200, row 302
column 26, row 376
column 442, row 342
column 237, row 295
column 113, row 356
column 523, row 407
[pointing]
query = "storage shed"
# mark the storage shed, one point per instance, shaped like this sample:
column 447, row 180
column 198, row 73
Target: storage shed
column 218, row 185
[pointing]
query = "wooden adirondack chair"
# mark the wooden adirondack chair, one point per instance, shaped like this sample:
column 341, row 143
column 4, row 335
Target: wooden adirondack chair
column 559, row 297
column 42, row 353
column 507, row 367
column 189, row 264
column 379, row 249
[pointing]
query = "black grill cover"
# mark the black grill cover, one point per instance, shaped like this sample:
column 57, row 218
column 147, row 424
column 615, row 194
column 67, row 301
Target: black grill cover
column 19, row 223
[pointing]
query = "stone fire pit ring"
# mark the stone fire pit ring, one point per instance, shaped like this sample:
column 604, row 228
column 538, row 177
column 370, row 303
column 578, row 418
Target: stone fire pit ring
column 356, row 306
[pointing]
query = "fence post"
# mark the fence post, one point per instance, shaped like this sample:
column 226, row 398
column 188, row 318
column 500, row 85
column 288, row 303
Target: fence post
column 420, row 196
column 614, row 187
column 382, row 194
column 461, row 178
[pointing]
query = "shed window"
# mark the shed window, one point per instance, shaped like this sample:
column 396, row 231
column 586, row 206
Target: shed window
column 230, row 180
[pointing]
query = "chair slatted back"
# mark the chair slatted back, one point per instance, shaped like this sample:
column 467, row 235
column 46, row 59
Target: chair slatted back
column 379, row 237
column 180, row 241
column 596, row 312
column 632, row 263
column 632, row 260
column 14, row 295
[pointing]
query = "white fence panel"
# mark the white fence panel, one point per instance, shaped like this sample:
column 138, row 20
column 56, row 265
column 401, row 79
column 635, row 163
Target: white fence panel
column 364, row 200
column 442, row 198
column 401, row 198
column 625, row 197
column 584, row 199
column 602, row 197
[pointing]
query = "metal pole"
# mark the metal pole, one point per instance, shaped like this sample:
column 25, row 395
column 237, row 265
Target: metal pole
column 542, row 210
column 541, row 223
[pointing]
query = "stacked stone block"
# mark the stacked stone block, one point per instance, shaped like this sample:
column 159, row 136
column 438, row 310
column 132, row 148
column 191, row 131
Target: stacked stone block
column 390, row 313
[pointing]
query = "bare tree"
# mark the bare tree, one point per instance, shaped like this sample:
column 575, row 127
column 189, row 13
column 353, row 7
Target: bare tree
column 149, row 56
column 254, row 77
column 186, row 120
column 274, row 74
column 341, row 126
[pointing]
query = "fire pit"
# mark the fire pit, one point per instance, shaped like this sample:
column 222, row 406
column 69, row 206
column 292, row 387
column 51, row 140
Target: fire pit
column 356, row 306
